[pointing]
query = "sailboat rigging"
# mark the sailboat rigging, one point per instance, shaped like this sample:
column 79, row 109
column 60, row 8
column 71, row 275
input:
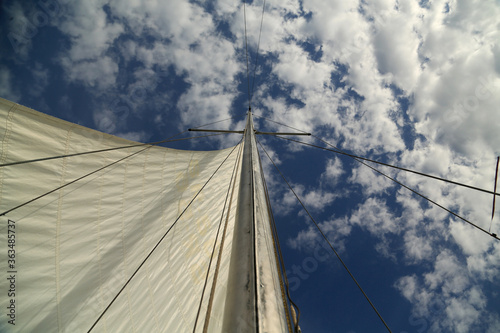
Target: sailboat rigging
column 84, row 258
column 81, row 253
column 108, row 234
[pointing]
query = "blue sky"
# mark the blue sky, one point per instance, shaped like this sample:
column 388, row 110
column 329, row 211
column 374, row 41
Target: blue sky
column 412, row 83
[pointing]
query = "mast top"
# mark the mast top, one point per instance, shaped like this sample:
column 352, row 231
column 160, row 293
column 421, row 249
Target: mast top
column 248, row 124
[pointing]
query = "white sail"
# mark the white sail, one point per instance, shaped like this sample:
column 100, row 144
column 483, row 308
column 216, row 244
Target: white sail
column 74, row 249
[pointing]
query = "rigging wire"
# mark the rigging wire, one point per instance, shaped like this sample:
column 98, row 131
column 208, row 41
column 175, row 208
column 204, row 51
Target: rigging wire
column 246, row 53
column 73, row 181
column 326, row 239
column 217, row 238
column 257, row 54
column 358, row 159
column 105, row 150
column 161, row 239
column 401, row 184
column 494, row 190
column 102, row 168
column 117, row 148
column 252, row 86
column 338, row 151
column 216, row 122
column 82, row 177
column 272, row 121
column 95, row 171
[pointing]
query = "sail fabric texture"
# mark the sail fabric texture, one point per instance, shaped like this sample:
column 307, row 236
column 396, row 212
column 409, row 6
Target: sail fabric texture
column 75, row 248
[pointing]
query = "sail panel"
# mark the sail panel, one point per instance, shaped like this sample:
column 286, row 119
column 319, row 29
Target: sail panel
column 76, row 247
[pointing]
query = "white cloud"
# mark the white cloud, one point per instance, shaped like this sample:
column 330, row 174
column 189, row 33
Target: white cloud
column 334, row 22
column 371, row 181
column 275, row 27
column 294, row 67
column 90, row 32
column 40, row 79
column 91, row 36
column 106, row 121
column 335, row 230
column 417, row 248
column 447, row 275
column 486, row 264
column 408, row 286
column 100, row 73
column 21, row 28
column 6, row 85
column 183, row 36
column 345, row 37
column 374, row 216
column 210, row 99
column 445, row 297
column 396, row 41
column 333, row 170
column 179, row 21
column 454, row 100
column 464, row 312
column 134, row 136
column 471, row 243
column 316, row 199
column 420, row 53
column 428, row 158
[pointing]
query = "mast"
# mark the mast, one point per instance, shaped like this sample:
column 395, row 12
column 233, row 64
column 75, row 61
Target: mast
column 255, row 298
column 240, row 313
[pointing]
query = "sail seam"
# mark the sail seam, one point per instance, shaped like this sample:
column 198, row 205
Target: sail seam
column 148, row 275
column 6, row 141
column 58, row 234
column 124, row 250
column 98, row 238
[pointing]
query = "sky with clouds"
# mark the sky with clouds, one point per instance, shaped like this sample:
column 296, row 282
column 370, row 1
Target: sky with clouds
column 411, row 83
